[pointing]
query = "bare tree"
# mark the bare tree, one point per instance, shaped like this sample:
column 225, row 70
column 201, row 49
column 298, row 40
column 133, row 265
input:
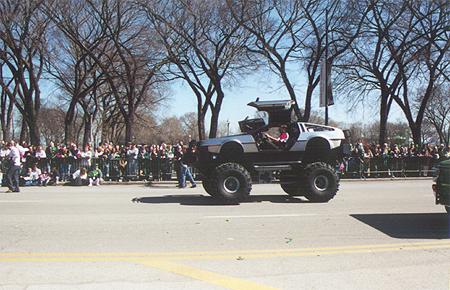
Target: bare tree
column 130, row 58
column 290, row 35
column 189, row 123
column 370, row 65
column 205, row 45
column 420, row 49
column 50, row 123
column 403, row 44
column 437, row 112
column 76, row 73
column 23, row 30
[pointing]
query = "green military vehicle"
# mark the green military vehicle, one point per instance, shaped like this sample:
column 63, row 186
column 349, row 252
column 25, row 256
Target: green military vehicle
column 442, row 186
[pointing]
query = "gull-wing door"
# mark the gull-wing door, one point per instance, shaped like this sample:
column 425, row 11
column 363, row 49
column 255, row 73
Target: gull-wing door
column 280, row 112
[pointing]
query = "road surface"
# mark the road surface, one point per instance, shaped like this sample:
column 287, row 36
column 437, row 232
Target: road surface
column 373, row 235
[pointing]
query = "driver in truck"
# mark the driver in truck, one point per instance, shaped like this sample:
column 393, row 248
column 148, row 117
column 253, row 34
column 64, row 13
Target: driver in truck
column 282, row 139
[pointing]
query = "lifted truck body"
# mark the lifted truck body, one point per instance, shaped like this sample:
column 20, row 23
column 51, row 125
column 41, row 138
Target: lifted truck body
column 247, row 150
column 305, row 158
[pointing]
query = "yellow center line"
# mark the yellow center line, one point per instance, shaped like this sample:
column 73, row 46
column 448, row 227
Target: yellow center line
column 231, row 254
column 61, row 257
column 165, row 261
column 206, row 276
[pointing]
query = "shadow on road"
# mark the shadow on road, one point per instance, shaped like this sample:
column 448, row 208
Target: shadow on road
column 409, row 225
column 199, row 199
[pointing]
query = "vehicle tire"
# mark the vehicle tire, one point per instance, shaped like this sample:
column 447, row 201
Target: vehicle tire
column 447, row 208
column 292, row 183
column 321, row 182
column 231, row 181
column 290, row 189
column 208, row 186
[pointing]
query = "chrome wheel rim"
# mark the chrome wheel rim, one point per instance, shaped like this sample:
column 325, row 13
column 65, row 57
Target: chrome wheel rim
column 321, row 182
column 231, row 184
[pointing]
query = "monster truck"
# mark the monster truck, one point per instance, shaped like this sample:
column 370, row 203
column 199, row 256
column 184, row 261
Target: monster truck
column 303, row 163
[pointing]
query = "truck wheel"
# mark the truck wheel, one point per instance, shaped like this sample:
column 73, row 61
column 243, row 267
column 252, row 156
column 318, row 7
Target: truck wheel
column 291, row 189
column 321, row 182
column 231, row 181
column 208, row 186
column 447, row 208
column 292, row 183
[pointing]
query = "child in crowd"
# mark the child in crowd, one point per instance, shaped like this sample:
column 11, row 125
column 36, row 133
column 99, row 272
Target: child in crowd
column 95, row 176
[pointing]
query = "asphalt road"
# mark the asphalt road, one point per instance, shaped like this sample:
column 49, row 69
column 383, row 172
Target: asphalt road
column 373, row 235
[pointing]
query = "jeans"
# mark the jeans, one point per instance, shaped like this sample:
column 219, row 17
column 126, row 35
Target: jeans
column 64, row 171
column 132, row 169
column 13, row 178
column 186, row 173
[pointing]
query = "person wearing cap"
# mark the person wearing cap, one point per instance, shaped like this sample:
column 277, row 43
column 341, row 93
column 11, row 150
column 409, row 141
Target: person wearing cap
column 12, row 179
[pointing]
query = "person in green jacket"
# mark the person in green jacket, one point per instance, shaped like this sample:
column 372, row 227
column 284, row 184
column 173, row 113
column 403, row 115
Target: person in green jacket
column 95, row 176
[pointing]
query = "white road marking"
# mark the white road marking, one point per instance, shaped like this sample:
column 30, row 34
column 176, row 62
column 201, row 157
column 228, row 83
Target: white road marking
column 258, row 216
column 20, row 201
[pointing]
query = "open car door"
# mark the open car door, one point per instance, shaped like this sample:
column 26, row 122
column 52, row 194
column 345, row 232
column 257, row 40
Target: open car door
column 280, row 112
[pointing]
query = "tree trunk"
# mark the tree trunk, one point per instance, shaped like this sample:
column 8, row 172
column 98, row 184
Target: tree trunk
column 308, row 97
column 201, row 128
column 23, row 132
column 34, row 133
column 201, row 122
column 6, row 118
column 416, row 133
column 291, row 91
column 6, row 126
column 129, row 124
column 215, row 111
column 6, row 133
column 68, row 120
column 385, row 107
column 214, row 123
column 105, row 132
column 87, row 130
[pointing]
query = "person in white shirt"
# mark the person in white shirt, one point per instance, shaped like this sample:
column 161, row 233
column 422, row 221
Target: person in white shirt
column 40, row 153
column 86, row 156
column 132, row 156
column 34, row 176
column 35, row 173
column 4, row 152
column 14, row 168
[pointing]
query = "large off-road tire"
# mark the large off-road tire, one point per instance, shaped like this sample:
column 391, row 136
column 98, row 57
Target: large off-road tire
column 291, row 189
column 231, row 181
column 293, row 183
column 321, row 182
column 209, row 187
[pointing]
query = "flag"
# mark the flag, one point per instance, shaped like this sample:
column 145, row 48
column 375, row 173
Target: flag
column 325, row 89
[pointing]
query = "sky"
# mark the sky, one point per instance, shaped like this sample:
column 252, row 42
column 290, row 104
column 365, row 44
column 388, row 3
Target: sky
column 261, row 84
column 267, row 87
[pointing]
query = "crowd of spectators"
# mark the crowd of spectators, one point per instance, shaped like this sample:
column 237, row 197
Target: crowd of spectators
column 90, row 165
column 59, row 163
column 393, row 160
